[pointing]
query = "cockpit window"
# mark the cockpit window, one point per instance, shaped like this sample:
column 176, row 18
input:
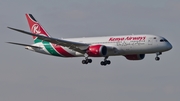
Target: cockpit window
column 163, row 40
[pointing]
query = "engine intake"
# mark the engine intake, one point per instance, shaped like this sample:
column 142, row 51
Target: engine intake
column 97, row 50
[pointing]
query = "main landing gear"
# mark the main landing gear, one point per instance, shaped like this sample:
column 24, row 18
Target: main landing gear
column 105, row 62
column 157, row 54
column 86, row 61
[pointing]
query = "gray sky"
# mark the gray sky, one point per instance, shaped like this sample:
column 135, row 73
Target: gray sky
column 28, row 76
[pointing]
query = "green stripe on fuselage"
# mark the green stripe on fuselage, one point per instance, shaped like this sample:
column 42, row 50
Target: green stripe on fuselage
column 37, row 40
column 48, row 47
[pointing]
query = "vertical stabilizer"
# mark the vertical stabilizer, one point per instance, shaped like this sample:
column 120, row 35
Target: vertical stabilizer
column 35, row 27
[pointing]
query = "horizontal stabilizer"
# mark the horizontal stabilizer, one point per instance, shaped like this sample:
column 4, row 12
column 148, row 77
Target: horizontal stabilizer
column 20, row 44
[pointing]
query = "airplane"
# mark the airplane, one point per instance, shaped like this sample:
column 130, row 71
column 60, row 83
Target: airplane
column 132, row 47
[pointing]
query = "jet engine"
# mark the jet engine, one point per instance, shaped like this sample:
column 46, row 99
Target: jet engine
column 97, row 50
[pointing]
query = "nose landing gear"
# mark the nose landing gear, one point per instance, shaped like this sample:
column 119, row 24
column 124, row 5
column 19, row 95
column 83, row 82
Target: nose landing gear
column 157, row 58
column 157, row 54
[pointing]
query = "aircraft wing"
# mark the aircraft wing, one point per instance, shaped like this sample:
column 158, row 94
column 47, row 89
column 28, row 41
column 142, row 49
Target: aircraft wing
column 76, row 46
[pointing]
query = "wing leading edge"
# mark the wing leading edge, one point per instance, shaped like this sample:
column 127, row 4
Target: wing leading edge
column 76, row 46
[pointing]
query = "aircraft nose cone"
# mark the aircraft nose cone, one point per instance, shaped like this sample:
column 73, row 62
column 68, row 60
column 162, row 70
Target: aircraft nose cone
column 170, row 46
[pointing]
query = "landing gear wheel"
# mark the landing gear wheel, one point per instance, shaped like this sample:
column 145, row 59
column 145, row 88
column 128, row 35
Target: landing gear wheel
column 157, row 54
column 89, row 60
column 108, row 62
column 157, row 58
column 84, row 62
column 103, row 63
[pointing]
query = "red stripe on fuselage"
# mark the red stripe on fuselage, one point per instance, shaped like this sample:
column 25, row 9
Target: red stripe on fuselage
column 62, row 51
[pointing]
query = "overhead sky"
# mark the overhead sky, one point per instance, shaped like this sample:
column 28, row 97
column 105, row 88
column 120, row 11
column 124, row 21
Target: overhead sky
column 29, row 76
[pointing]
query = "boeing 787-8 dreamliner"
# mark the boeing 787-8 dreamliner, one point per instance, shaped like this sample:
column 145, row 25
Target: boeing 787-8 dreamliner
column 133, row 47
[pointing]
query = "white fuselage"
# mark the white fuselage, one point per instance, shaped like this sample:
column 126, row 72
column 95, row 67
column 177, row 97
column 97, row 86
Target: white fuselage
column 117, row 45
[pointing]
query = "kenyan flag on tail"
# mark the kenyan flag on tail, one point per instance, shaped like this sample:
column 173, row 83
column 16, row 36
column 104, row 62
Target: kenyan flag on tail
column 35, row 27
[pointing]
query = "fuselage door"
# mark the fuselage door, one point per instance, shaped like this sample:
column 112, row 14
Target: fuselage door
column 150, row 41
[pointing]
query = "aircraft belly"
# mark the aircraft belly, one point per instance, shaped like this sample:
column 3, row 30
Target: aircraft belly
column 42, row 51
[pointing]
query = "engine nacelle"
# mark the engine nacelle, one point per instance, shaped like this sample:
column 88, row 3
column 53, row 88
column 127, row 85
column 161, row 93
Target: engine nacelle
column 135, row 57
column 97, row 50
